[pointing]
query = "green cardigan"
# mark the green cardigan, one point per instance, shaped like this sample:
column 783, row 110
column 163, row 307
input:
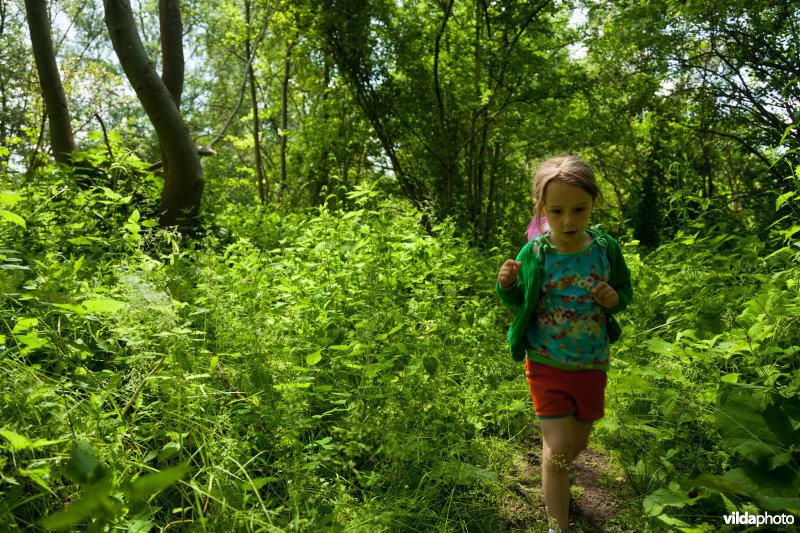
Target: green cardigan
column 523, row 295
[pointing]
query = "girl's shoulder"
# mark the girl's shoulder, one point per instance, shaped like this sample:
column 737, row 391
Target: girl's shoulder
column 602, row 238
column 527, row 249
column 531, row 250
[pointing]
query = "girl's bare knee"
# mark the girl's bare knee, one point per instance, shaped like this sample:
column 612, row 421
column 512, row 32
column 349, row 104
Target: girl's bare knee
column 577, row 448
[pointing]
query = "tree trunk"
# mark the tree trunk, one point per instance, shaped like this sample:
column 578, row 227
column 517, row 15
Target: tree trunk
column 183, row 176
column 4, row 114
column 172, row 63
column 262, row 186
column 55, row 99
column 706, row 171
column 491, row 199
column 287, row 67
column 447, row 154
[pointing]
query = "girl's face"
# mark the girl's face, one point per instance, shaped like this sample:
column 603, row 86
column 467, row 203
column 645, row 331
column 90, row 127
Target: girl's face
column 567, row 208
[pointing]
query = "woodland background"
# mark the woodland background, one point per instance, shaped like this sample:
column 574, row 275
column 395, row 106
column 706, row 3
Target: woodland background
column 249, row 249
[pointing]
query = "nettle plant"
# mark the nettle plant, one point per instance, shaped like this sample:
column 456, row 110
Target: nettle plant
column 287, row 369
column 707, row 400
column 68, row 355
column 358, row 341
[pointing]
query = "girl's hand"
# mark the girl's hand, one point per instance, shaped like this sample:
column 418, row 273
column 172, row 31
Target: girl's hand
column 508, row 273
column 605, row 295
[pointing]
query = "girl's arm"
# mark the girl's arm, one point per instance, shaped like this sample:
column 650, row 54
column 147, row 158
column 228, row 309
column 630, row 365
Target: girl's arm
column 513, row 296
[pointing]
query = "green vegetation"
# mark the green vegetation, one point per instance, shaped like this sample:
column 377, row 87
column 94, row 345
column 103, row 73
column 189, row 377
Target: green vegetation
column 706, row 397
column 344, row 367
column 255, row 293
column 308, row 368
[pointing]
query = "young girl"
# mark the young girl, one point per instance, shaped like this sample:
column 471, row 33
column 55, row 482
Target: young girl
column 565, row 285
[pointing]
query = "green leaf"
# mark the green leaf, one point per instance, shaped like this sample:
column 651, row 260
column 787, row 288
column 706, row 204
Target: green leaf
column 6, row 266
column 461, row 473
column 32, row 341
column 431, row 365
column 25, row 324
column 111, row 194
column 102, row 305
column 372, row 370
column 293, row 385
column 12, row 217
column 84, row 466
column 776, row 503
column 141, row 526
column 37, row 475
column 339, row 347
column 783, row 198
column 32, row 445
column 10, row 197
column 147, row 485
column 517, row 406
column 753, row 422
column 257, row 483
column 170, row 449
column 719, row 484
column 80, row 509
column 75, row 308
column 660, row 346
column 77, row 265
column 18, row 442
column 770, row 489
column 655, row 502
column 314, row 358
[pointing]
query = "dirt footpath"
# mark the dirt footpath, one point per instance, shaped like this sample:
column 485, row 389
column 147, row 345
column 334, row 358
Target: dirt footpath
column 596, row 490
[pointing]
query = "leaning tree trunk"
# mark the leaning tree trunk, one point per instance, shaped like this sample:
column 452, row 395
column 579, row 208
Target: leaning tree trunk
column 183, row 172
column 55, row 99
column 172, row 62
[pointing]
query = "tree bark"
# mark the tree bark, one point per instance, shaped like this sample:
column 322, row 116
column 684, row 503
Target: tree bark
column 448, row 155
column 55, row 99
column 183, row 175
column 3, row 89
column 287, row 67
column 172, row 62
column 262, row 185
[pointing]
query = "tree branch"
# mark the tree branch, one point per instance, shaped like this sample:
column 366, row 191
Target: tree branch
column 243, row 85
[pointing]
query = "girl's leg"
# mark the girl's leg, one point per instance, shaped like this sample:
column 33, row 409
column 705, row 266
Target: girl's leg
column 563, row 439
column 556, row 456
column 580, row 436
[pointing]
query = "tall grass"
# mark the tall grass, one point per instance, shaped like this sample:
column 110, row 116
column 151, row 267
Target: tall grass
column 286, row 371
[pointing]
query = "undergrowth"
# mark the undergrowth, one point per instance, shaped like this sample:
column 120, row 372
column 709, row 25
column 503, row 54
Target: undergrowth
column 320, row 369
column 705, row 397
column 344, row 369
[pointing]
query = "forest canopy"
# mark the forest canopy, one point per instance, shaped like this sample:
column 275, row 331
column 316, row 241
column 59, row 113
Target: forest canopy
column 447, row 104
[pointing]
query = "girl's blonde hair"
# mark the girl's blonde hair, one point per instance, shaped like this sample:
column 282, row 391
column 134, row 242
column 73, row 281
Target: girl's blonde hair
column 569, row 169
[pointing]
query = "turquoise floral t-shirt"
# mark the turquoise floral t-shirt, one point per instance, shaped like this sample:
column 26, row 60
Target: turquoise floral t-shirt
column 568, row 329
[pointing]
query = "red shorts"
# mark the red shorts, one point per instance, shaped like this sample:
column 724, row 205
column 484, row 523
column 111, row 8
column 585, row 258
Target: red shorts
column 560, row 393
